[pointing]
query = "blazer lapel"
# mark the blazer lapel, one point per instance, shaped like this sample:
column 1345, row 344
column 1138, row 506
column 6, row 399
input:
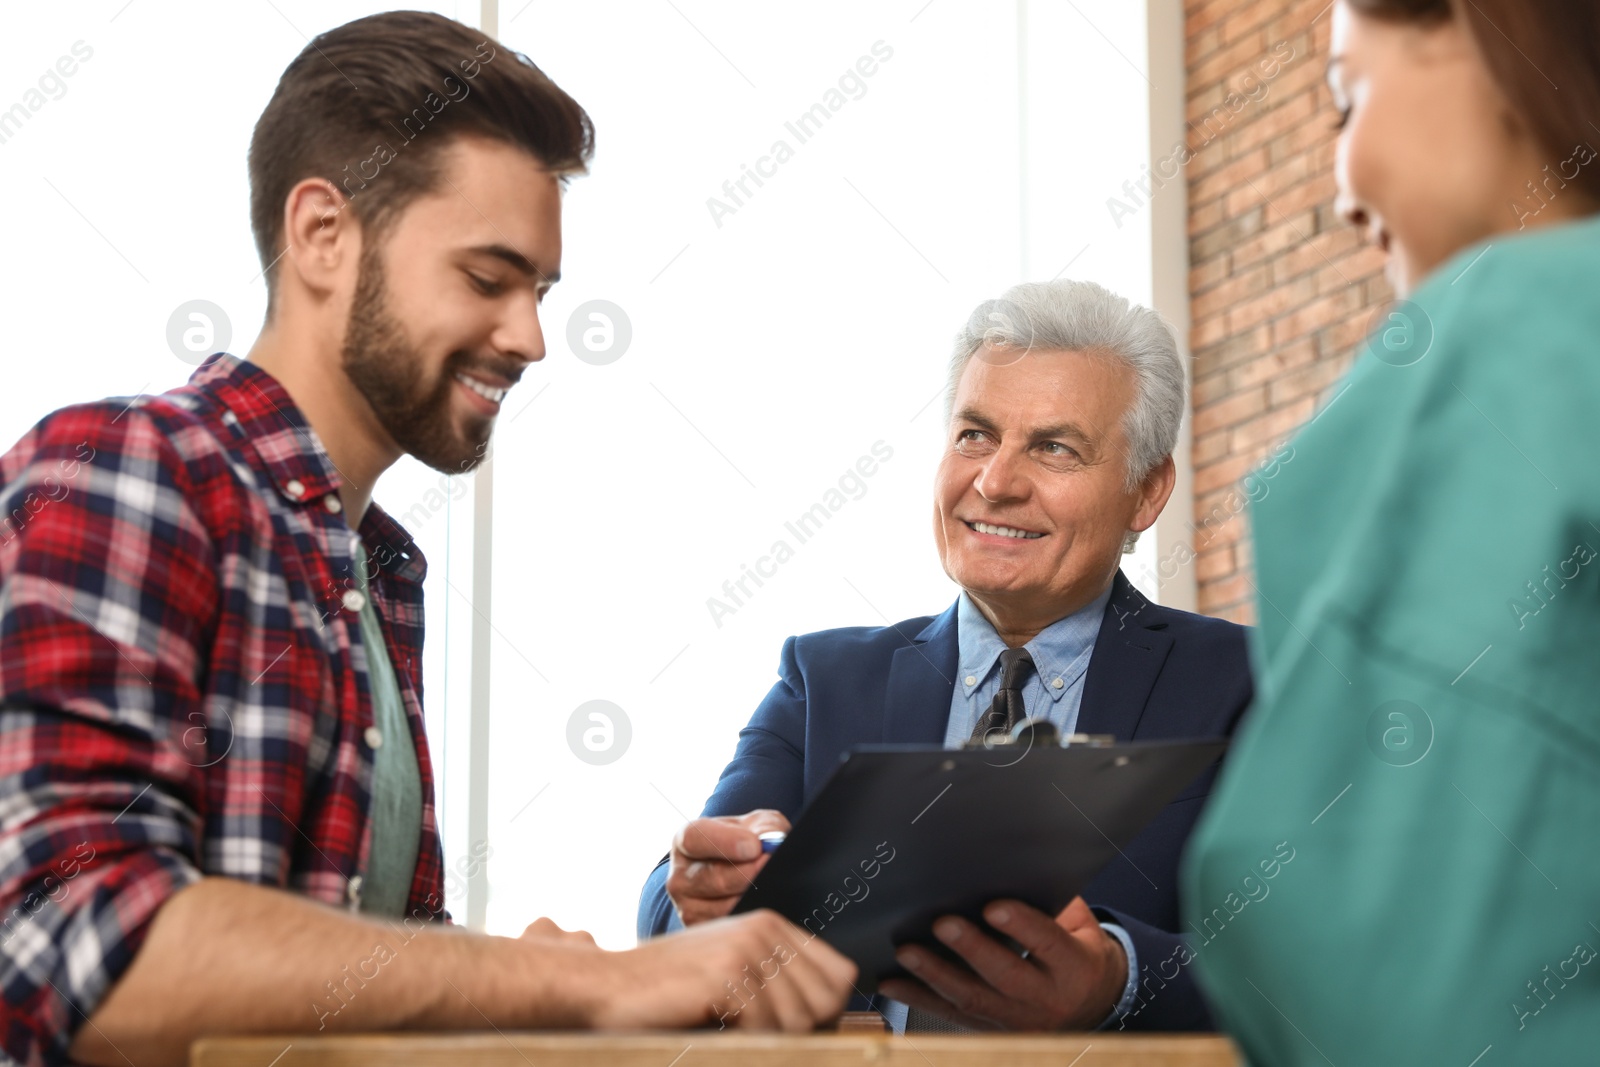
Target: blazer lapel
column 921, row 678
column 1128, row 655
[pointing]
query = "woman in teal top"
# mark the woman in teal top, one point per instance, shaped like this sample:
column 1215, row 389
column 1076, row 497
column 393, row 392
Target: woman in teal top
column 1400, row 864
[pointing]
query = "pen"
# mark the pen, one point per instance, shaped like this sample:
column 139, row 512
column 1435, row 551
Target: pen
column 771, row 840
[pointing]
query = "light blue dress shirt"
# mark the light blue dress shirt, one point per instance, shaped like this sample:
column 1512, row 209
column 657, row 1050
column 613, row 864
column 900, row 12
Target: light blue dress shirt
column 1061, row 654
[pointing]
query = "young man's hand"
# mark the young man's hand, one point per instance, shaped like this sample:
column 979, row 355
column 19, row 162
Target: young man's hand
column 755, row 971
column 548, row 930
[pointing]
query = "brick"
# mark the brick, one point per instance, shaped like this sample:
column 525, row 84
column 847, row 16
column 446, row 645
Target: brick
column 1343, row 339
column 1377, row 290
column 1282, row 290
column 1235, row 409
column 1226, row 473
column 1301, row 137
column 1200, row 45
column 1208, row 151
column 1243, row 613
column 1274, row 239
column 1310, row 381
column 1207, row 390
column 1228, row 349
column 1208, row 447
column 1315, row 315
column 1321, row 155
column 1229, row 175
column 1204, row 216
column 1233, row 590
column 1213, row 143
column 1274, row 364
column 1217, row 520
column 1200, row 15
column 1272, row 305
column 1292, row 187
column 1244, row 52
column 1332, row 278
column 1207, row 333
column 1317, row 252
column 1239, row 286
column 1328, row 218
column 1272, row 427
column 1207, row 274
column 1303, row 73
column 1198, row 104
column 1218, row 563
column 1278, row 117
column 1269, row 187
column 1248, row 18
column 1244, row 554
column 1224, row 237
column 1298, row 20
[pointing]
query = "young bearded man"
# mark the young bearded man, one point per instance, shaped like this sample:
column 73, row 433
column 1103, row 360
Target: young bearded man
column 215, row 798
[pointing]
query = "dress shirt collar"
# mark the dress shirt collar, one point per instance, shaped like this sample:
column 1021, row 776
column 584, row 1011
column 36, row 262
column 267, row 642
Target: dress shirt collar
column 1060, row 651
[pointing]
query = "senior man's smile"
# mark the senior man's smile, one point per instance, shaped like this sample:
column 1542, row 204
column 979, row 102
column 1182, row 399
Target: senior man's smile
column 1001, row 534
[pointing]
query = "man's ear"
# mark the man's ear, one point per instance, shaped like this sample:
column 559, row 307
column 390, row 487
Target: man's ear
column 323, row 238
column 1153, row 493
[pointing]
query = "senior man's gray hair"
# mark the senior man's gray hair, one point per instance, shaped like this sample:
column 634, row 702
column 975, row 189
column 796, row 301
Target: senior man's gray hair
column 1080, row 316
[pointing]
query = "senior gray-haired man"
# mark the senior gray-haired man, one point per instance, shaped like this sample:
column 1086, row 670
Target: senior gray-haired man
column 1064, row 406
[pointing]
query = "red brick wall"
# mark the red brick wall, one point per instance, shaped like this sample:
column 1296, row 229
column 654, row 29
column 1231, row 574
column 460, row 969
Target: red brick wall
column 1281, row 289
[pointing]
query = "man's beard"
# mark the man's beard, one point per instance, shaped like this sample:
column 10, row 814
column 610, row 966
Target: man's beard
column 388, row 370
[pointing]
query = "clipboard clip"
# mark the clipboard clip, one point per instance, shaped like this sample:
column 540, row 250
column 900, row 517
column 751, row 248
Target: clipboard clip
column 1042, row 732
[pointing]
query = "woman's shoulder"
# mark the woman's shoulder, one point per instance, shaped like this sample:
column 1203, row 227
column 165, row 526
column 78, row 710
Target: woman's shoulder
column 1531, row 283
column 1517, row 316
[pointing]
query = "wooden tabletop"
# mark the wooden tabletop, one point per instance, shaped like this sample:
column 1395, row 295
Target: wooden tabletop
column 719, row 1050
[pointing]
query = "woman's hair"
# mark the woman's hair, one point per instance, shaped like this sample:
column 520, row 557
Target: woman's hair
column 1543, row 54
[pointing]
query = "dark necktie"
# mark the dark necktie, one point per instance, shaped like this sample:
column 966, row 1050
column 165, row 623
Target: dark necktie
column 1005, row 711
column 1016, row 667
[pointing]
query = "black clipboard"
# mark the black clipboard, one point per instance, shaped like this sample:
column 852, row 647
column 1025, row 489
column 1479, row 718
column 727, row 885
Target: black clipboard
column 900, row 835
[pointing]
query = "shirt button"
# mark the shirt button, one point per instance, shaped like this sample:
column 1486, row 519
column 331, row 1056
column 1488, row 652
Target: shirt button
column 295, row 488
column 352, row 890
column 353, row 600
column 331, row 502
column 373, row 736
column 1058, row 683
column 972, row 679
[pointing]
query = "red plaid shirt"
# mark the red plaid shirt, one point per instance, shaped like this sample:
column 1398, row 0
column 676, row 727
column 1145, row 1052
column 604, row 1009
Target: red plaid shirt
column 183, row 689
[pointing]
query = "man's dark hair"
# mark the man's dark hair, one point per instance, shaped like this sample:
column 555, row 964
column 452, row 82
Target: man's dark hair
column 372, row 105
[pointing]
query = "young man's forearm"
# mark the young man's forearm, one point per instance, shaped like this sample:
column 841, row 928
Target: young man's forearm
column 228, row 957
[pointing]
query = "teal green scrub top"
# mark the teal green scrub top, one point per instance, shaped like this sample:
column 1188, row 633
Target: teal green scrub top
column 1420, row 773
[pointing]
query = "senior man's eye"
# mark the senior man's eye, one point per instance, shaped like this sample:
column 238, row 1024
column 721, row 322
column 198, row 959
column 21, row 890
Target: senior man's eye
column 1058, row 457
column 973, row 442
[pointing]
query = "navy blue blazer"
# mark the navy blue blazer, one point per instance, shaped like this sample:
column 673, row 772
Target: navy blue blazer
column 1155, row 674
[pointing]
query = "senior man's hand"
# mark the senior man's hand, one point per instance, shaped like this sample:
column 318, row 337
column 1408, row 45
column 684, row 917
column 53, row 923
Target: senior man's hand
column 715, row 860
column 1071, row 978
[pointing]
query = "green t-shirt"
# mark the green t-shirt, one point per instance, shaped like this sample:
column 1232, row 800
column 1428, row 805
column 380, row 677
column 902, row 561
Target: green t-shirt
column 1425, row 741
column 396, row 781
